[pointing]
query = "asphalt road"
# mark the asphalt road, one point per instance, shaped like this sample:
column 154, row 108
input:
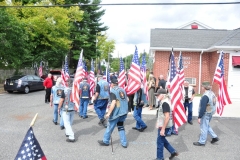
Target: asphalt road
column 17, row 111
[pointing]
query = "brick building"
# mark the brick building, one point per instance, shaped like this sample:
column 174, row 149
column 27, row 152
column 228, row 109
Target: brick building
column 200, row 46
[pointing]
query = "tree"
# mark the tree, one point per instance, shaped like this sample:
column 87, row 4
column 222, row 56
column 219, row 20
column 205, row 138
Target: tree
column 13, row 45
column 48, row 31
column 84, row 33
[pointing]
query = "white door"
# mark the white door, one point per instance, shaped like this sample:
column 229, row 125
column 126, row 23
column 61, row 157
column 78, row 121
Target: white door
column 234, row 83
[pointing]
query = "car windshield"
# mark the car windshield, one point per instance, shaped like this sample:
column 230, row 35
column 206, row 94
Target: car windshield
column 16, row 77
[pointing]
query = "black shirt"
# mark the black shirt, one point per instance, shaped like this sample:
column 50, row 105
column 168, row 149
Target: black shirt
column 113, row 97
column 98, row 88
column 203, row 104
column 162, row 83
column 63, row 94
column 165, row 107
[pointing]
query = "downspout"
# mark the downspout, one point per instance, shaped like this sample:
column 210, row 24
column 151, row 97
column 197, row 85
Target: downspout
column 200, row 73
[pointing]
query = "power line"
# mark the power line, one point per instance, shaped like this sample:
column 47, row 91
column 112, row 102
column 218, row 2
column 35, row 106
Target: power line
column 127, row 4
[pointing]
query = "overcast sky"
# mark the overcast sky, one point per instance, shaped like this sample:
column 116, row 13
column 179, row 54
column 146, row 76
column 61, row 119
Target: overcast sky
column 131, row 25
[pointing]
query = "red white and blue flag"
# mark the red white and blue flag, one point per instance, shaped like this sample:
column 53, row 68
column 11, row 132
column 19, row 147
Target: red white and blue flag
column 179, row 114
column 30, row 148
column 122, row 75
column 134, row 75
column 223, row 97
column 143, row 75
column 65, row 73
column 180, row 70
column 92, row 79
column 79, row 75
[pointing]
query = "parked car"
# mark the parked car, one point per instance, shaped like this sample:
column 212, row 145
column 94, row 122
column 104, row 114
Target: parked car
column 23, row 83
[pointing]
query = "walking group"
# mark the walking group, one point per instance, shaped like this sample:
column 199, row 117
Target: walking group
column 112, row 105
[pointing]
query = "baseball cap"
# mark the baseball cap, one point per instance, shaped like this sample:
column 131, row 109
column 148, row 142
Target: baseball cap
column 206, row 85
column 160, row 91
column 114, row 81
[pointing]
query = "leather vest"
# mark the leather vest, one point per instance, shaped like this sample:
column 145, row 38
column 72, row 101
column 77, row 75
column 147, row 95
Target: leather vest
column 67, row 104
column 211, row 106
column 161, row 117
column 104, row 89
column 190, row 90
column 57, row 92
column 85, row 90
column 121, row 107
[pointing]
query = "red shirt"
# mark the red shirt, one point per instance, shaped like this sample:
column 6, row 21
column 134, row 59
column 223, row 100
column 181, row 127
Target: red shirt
column 48, row 83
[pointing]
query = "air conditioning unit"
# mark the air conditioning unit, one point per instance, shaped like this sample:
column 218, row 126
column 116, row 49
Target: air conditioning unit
column 192, row 81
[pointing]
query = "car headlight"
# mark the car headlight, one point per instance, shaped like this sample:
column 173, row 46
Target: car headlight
column 19, row 82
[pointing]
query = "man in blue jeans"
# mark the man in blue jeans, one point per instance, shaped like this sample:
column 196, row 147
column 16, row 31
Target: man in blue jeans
column 137, row 114
column 100, row 100
column 207, row 108
column 188, row 93
column 117, row 114
column 164, row 122
column 84, row 98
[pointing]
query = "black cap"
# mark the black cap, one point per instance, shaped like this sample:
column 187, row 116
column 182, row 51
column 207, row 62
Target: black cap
column 160, row 91
column 114, row 81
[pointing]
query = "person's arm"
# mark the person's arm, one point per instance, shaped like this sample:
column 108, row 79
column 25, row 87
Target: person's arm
column 193, row 95
column 96, row 93
column 166, row 112
column 61, row 101
column 203, row 105
column 112, row 106
column 51, row 98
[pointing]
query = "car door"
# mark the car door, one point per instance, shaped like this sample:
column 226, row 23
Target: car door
column 31, row 82
column 38, row 82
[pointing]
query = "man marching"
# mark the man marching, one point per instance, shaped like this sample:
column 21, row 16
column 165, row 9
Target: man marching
column 66, row 106
column 117, row 114
column 100, row 100
column 84, row 98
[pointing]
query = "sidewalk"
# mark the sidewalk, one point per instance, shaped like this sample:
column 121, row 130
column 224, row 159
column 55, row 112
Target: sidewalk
column 231, row 110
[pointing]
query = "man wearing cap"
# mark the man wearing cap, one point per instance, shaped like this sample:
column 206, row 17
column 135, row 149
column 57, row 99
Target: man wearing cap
column 188, row 95
column 207, row 108
column 117, row 114
column 66, row 106
column 164, row 123
column 100, row 100
column 84, row 98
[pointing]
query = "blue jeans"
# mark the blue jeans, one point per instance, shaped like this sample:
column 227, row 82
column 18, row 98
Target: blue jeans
column 110, row 127
column 100, row 107
column 137, row 114
column 55, row 114
column 161, row 143
column 83, row 107
column 188, row 107
column 205, row 128
column 68, row 120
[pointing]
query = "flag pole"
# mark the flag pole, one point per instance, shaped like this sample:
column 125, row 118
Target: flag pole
column 34, row 119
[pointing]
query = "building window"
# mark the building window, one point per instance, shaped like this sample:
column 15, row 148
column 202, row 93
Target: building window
column 192, row 81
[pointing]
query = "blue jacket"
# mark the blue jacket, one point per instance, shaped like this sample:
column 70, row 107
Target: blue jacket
column 121, row 107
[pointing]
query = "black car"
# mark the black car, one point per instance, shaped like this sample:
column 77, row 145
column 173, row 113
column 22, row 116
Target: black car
column 23, row 83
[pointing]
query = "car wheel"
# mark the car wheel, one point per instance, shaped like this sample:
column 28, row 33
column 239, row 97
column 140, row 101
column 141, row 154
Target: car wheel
column 26, row 89
column 10, row 91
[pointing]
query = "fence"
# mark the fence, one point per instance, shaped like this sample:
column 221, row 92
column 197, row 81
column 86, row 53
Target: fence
column 10, row 72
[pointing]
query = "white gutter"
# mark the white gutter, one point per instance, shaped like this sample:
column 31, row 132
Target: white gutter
column 236, row 48
column 200, row 73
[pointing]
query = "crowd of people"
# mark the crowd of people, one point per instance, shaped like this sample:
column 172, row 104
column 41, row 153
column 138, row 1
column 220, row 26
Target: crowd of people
column 112, row 105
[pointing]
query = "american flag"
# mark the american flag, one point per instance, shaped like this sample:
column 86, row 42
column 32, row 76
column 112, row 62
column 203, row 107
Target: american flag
column 40, row 70
column 180, row 70
column 92, row 79
column 143, row 75
column 108, row 76
column 179, row 115
column 134, row 75
column 79, row 75
column 30, row 148
column 223, row 97
column 65, row 73
column 121, row 77
column 85, row 69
